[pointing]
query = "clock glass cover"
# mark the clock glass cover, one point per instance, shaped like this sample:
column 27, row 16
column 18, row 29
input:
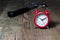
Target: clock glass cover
column 41, row 20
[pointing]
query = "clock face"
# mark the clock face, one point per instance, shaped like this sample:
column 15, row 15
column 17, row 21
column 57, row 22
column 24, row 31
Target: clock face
column 41, row 20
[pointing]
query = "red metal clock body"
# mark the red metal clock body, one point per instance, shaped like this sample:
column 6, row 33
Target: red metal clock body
column 41, row 19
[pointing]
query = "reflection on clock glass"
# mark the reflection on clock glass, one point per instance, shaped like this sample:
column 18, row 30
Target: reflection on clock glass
column 41, row 20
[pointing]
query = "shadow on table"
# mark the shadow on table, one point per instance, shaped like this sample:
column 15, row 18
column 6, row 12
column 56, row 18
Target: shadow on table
column 51, row 25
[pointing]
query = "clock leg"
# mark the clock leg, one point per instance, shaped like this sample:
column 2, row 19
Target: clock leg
column 48, row 27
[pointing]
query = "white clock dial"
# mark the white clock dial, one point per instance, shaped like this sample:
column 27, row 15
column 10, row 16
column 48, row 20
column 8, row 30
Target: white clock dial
column 41, row 20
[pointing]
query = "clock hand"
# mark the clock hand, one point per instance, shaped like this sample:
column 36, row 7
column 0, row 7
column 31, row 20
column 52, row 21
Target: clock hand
column 43, row 19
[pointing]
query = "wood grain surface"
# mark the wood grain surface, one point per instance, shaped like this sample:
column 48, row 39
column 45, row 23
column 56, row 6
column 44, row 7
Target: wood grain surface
column 22, row 27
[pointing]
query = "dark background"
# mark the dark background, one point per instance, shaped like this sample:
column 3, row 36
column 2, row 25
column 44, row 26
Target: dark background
column 54, row 4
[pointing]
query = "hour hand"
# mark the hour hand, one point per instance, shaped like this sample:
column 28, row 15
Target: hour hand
column 43, row 19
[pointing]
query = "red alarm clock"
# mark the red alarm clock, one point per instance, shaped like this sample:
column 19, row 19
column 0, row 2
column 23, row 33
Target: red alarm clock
column 41, row 19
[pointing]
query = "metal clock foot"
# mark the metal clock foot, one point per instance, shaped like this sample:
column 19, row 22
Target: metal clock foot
column 48, row 27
